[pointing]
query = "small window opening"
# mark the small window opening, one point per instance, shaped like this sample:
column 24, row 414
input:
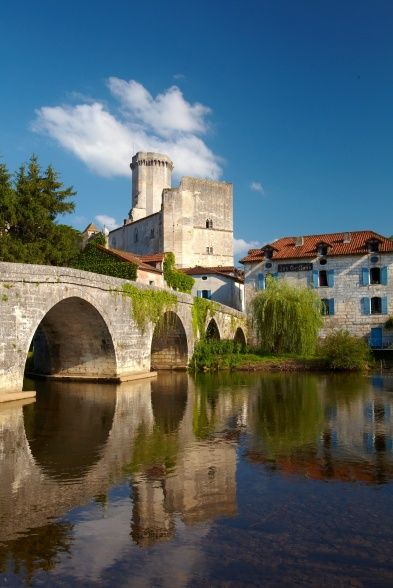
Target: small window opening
column 376, row 305
column 375, row 275
column 151, row 282
column 325, row 310
column 136, row 237
column 209, row 223
column 206, row 294
column 152, row 233
column 268, row 253
column 323, row 261
column 322, row 278
column 209, row 250
column 204, row 277
column 322, row 250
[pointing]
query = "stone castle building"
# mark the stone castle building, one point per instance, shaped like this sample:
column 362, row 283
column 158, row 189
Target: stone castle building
column 193, row 220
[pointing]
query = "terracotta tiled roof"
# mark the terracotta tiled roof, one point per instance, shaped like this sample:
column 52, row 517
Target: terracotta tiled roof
column 152, row 257
column 354, row 243
column 228, row 271
column 130, row 257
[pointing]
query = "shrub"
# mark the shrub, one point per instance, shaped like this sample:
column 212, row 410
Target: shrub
column 343, row 351
column 213, row 354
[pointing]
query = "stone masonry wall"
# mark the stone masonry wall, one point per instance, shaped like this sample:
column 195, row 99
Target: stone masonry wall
column 347, row 291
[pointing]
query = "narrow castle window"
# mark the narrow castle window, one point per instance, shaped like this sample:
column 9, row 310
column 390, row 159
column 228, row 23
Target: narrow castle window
column 152, row 233
column 136, row 237
column 209, row 223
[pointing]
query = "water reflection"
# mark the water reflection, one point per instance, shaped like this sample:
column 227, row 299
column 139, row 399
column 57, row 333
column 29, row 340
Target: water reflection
column 171, row 449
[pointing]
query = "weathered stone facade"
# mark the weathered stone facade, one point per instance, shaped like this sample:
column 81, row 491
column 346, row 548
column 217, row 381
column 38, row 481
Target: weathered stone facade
column 194, row 220
column 345, row 286
column 83, row 326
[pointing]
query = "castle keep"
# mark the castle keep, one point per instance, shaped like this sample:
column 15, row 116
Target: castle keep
column 194, row 220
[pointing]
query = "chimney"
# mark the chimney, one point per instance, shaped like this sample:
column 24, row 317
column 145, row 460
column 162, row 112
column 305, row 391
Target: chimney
column 347, row 237
column 299, row 241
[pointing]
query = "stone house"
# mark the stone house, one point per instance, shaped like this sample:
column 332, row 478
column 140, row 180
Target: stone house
column 222, row 284
column 352, row 273
column 193, row 220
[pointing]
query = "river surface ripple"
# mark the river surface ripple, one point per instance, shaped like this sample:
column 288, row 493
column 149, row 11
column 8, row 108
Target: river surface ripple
column 219, row 480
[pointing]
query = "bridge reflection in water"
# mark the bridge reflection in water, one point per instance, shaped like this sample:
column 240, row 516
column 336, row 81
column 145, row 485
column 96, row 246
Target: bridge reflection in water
column 145, row 460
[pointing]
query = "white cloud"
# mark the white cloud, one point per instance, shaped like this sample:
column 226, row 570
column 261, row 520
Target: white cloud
column 257, row 187
column 106, row 221
column 241, row 246
column 105, row 141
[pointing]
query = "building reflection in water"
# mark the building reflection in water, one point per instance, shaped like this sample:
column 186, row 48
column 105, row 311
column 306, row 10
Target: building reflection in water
column 174, row 474
column 323, row 427
column 173, row 442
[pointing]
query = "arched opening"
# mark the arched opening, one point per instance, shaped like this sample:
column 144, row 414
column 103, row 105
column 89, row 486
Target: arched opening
column 240, row 336
column 73, row 340
column 212, row 331
column 169, row 349
column 68, row 426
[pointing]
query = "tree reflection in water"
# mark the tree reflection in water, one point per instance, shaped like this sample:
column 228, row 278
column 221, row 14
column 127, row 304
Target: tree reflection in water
column 39, row 549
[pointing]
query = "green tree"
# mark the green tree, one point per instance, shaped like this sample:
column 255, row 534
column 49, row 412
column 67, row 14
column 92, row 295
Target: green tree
column 287, row 318
column 29, row 208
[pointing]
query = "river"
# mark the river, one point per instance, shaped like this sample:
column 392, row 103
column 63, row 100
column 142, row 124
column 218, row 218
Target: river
column 218, row 480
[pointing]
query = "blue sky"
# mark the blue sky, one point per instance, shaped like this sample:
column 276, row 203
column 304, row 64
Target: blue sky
column 290, row 100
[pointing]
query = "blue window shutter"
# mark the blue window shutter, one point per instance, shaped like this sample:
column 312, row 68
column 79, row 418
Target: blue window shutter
column 365, row 302
column 209, row 294
column 261, row 282
column 331, row 278
column 365, row 276
column 384, row 276
column 384, row 305
column 199, row 293
column 331, row 306
column 315, row 278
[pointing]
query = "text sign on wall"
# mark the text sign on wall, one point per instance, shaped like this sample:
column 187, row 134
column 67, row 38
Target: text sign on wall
column 294, row 267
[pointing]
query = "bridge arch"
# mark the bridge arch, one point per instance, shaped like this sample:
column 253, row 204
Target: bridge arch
column 73, row 339
column 169, row 346
column 212, row 330
column 240, row 336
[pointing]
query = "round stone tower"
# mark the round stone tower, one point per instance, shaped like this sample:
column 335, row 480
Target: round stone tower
column 151, row 173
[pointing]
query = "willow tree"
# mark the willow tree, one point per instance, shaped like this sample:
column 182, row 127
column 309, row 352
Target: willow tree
column 287, row 318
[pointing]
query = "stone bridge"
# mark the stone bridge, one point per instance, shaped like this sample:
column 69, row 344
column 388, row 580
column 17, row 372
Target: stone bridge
column 82, row 327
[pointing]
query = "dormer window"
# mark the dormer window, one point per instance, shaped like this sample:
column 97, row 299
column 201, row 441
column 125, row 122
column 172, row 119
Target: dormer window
column 322, row 249
column 268, row 252
column 373, row 245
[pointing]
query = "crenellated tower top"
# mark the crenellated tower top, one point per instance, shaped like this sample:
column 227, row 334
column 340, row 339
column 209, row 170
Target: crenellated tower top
column 151, row 174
